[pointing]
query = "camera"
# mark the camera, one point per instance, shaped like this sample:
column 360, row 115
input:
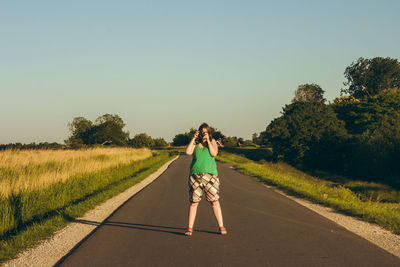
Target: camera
column 200, row 137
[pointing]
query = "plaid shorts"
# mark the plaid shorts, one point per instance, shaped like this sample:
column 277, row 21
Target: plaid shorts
column 207, row 182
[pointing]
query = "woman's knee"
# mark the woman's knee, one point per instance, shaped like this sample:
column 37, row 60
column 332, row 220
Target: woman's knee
column 214, row 203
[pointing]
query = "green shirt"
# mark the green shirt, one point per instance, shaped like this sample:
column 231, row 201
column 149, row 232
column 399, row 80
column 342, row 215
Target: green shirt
column 203, row 161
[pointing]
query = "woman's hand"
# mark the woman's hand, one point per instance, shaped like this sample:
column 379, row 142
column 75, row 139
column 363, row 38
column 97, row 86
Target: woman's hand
column 196, row 134
column 206, row 137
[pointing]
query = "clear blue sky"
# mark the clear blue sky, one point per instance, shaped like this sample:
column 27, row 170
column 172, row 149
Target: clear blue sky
column 166, row 66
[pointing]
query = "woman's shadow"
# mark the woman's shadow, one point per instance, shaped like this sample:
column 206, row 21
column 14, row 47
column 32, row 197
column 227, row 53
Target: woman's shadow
column 139, row 226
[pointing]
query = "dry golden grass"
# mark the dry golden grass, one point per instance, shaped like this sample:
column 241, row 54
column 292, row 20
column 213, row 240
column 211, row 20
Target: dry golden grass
column 26, row 170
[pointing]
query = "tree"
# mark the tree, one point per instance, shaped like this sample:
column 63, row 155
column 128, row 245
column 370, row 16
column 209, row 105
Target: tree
column 107, row 128
column 79, row 129
column 309, row 92
column 263, row 139
column 216, row 134
column 181, row 139
column 141, row 140
column 371, row 76
column 160, row 142
column 115, row 119
column 108, row 131
column 384, row 148
column 231, row 141
column 362, row 116
column 301, row 125
column 256, row 138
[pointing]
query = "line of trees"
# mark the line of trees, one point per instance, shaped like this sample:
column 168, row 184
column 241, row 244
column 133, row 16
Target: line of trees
column 33, row 145
column 107, row 130
column 182, row 139
column 358, row 134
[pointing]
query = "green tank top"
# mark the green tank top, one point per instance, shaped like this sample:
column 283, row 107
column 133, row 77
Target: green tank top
column 203, row 161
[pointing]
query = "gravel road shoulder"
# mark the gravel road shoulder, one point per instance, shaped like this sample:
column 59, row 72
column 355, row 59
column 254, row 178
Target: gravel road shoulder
column 372, row 232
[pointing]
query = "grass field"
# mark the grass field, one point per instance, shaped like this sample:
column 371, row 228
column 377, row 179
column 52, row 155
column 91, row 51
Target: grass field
column 372, row 202
column 31, row 213
column 29, row 170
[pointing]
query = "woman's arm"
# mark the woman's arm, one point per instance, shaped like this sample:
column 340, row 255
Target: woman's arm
column 192, row 144
column 213, row 147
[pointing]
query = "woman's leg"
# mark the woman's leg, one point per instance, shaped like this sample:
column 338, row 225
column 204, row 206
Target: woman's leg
column 217, row 212
column 192, row 213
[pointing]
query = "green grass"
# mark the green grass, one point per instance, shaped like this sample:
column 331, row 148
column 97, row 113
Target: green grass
column 253, row 153
column 372, row 202
column 36, row 217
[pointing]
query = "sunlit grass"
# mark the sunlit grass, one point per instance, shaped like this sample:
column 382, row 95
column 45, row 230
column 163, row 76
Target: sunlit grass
column 29, row 170
column 373, row 202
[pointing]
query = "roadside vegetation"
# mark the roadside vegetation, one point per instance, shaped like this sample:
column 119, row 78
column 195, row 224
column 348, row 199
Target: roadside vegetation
column 357, row 135
column 370, row 201
column 30, row 170
column 29, row 214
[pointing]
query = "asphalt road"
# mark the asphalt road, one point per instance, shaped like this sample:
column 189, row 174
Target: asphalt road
column 264, row 229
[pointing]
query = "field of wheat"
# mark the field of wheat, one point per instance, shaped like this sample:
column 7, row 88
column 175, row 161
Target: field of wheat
column 29, row 170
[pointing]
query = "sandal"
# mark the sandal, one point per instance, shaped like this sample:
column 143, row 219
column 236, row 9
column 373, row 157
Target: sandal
column 222, row 230
column 189, row 231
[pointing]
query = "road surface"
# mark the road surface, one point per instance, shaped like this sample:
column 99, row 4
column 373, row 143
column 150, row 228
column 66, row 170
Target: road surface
column 264, row 229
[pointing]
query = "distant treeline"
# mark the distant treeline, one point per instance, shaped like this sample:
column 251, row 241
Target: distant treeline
column 183, row 139
column 356, row 135
column 43, row 145
column 107, row 130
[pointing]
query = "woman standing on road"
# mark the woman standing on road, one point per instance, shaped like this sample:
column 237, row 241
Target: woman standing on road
column 203, row 175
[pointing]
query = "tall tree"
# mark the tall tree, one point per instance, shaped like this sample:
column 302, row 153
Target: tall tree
column 301, row 124
column 106, row 128
column 371, row 76
column 80, row 131
column 109, row 130
column 114, row 118
column 309, row 92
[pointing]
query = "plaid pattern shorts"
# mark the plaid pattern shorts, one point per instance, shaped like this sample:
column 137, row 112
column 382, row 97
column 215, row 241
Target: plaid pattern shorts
column 207, row 182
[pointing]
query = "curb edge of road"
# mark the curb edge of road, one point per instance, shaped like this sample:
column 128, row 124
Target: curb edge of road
column 373, row 233
column 54, row 250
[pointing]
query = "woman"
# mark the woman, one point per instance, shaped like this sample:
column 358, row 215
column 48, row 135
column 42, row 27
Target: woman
column 203, row 176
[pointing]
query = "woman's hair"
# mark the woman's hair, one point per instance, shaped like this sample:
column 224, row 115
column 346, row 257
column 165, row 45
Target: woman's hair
column 208, row 128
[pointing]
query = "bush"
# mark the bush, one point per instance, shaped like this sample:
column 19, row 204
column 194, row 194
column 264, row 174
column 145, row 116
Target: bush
column 302, row 125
